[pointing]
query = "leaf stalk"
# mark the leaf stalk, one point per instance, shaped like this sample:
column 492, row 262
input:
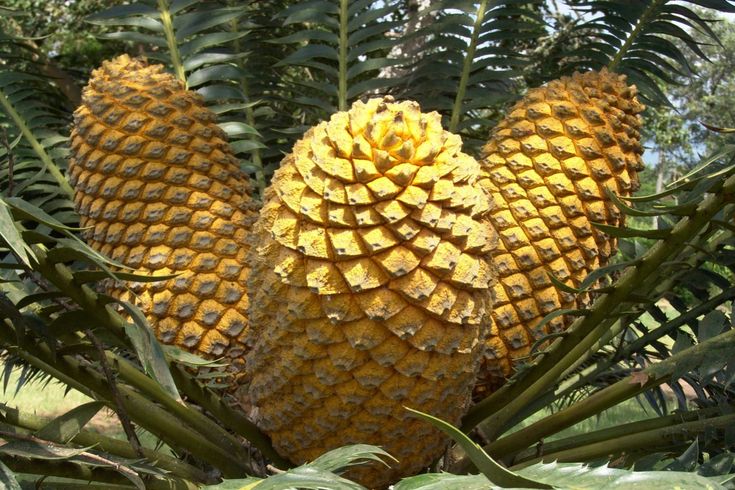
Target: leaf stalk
column 501, row 406
column 173, row 46
column 342, row 88
column 647, row 15
column 33, row 422
column 36, row 145
column 467, row 67
column 654, row 375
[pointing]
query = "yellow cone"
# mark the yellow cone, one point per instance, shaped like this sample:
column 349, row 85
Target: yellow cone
column 162, row 193
column 370, row 288
column 547, row 165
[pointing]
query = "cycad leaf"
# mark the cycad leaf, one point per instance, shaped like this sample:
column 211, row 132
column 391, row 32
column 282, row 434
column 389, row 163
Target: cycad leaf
column 337, row 460
column 317, row 475
column 11, row 236
column 576, row 475
column 7, row 478
column 568, row 476
column 640, row 35
column 39, row 450
column 149, row 350
column 204, row 49
column 469, row 47
column 65, row 427
column 493, row 471
column 345, row 53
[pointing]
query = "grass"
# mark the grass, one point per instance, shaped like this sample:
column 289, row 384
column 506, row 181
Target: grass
column 45, row 398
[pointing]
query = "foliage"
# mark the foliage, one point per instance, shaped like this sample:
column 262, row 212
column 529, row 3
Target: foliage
column 662, row 315
column 567, row 476
column 323, row 471
column 703, row 102
column 33, row 124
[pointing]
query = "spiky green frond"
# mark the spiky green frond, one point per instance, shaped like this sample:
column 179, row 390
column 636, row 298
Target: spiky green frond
column 637, row 39
column 609, row 355
column 566, row 476
column 341, row 48
column 472, row 54
column 54, row 321
column 662, row 317
column 197, row 41
column 33, row 128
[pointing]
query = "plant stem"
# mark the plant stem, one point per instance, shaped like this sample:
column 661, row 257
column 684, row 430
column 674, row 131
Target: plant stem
column 598, row 436
column 650, row 12
column 76, row 471
column 257, row 159
column 233, row 420
column 583, row 378
column 36, row 145
column 650, row 439
column 700, row 309
column 500, row 407
column 342, row 87
column 91, row 458
column 653, row 375
column 173, row 46
column 33, row 422
column 195, row 419
column 249, row 114
column 654, row 290
column 88, row 486
column 119, row 408
column 11, row 160
column 467, row 67
column 62, row 278
column 145, row 413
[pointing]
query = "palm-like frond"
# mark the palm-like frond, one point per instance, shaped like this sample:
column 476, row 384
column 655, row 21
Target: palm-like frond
column 471, row 56
column 196, row 40
column 272, row 114
column 52, row 314
column 340, row 50
column 637, row 39
column 614, row 350
column 33, row 129
column 663, row 314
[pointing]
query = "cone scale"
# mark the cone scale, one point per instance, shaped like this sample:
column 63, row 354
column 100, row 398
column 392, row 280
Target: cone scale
column 370, row 288
column 162, row 193
column 547, row 165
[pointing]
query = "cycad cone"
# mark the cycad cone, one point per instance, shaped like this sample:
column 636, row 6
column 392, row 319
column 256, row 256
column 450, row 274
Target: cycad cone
column 162, row 193
column 370, row 288
column 547, row 165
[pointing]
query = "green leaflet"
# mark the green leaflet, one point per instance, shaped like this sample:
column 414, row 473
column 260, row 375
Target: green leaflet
column 319, row 474
column 568, row 476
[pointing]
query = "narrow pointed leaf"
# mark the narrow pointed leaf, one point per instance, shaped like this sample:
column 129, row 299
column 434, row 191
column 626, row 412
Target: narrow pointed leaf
column 487, row 465
column 64, row 428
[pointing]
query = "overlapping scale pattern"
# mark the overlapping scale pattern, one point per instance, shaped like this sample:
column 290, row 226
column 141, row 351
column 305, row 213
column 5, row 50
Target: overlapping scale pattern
column 370, row 287
column 547, row 165
column 162, row 193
